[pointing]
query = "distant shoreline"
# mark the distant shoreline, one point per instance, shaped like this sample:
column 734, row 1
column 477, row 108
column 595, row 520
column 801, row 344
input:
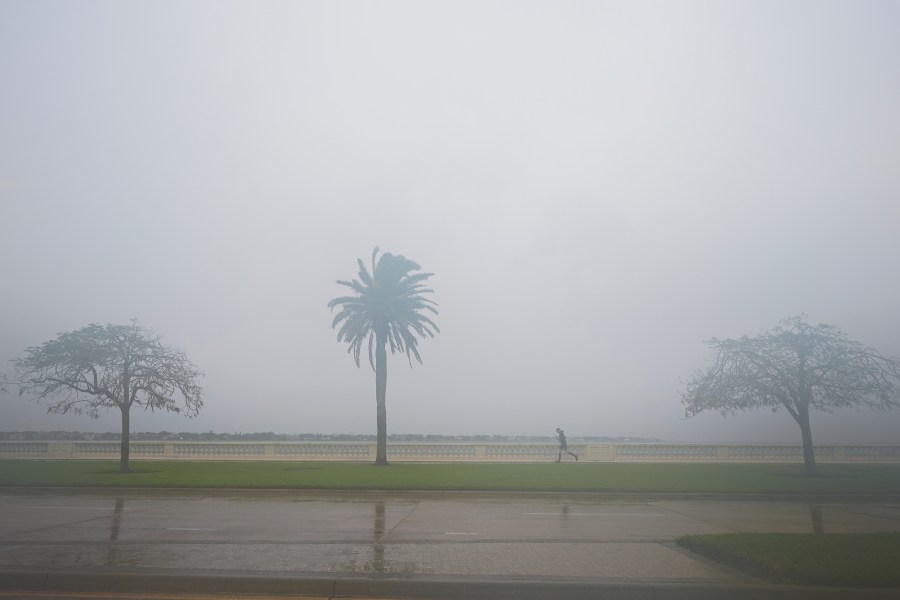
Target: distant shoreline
column 284, row 437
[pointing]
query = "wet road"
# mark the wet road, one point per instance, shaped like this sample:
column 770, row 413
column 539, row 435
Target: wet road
column 511, row 536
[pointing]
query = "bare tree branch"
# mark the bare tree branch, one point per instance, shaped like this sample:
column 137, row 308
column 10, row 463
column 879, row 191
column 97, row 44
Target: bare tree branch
column 110, row 366
column 796, row 366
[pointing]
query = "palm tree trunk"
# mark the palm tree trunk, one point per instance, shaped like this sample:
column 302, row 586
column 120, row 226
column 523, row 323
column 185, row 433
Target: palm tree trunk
column 380, row 393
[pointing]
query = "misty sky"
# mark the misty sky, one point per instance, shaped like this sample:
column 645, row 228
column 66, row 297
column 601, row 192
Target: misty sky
column 598, row 188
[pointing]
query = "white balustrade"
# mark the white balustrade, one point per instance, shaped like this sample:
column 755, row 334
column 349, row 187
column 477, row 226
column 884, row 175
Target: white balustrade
column 444, row 451
column 323, row 449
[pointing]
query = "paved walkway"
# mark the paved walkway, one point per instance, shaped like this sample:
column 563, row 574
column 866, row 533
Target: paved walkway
column 398, row 545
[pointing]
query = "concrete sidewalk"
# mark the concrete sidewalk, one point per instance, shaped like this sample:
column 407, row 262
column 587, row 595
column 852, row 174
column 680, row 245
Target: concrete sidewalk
column 88, row 584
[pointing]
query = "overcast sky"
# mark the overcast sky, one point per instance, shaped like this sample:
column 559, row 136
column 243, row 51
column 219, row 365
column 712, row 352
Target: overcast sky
column 598, row 187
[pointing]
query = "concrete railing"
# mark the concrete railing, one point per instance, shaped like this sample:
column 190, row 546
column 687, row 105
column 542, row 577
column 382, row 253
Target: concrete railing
column 445, row 452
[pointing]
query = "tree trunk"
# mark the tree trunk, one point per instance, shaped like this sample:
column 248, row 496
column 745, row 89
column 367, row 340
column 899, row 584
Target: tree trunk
column 809, row 454
column 126, row 441
column 380, row 393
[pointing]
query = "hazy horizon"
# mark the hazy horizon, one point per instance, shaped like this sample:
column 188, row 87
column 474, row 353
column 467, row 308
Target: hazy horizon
column 598, row 187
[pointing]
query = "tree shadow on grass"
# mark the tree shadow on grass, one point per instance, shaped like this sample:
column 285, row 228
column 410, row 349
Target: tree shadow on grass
column 115, row 471
column 109, row 471
column 800, row 475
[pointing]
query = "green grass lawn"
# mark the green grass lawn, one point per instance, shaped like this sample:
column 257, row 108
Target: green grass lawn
column 574, row 477
column 828, row 559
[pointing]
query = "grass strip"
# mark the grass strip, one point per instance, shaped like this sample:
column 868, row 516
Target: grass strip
column 826, row 559
column 574, row 477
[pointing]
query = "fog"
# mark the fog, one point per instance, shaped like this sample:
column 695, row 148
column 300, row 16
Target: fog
column 598, row 187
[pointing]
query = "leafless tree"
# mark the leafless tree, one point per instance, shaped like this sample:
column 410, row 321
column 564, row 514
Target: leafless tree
column 798, row 367
column 100, row 367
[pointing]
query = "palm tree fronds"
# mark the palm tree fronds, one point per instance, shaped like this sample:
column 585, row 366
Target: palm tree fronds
column 389, row 299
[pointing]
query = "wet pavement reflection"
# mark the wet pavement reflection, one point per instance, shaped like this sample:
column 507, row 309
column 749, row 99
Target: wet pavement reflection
column 114, row 526
column 386, row 559
column 381, row 561
column 398, row 535
column 815, row 514
column 377, row 562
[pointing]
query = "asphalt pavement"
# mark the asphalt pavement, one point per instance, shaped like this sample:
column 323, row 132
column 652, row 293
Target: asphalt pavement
column 399, row 545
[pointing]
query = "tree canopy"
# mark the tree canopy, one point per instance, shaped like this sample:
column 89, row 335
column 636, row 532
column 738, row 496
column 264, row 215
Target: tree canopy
column 102, row 367
column 798, row 367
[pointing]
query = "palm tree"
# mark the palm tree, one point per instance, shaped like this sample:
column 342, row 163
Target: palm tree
column 387, row 309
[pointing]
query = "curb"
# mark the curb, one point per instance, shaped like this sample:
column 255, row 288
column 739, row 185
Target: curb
column 449, row 494
column 423, row 588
